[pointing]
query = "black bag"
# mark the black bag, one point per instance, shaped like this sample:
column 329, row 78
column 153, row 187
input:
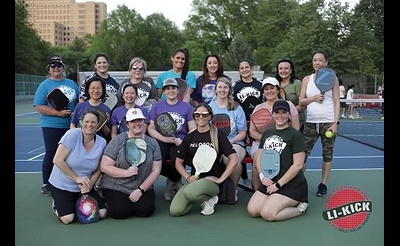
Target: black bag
column 227, row 192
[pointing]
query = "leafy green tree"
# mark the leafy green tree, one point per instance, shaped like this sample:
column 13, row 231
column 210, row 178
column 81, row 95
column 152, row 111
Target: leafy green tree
column 31, row 52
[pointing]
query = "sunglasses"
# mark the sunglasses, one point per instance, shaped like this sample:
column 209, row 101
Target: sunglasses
column 137, row 68
column 203, row 114
column 54, row 65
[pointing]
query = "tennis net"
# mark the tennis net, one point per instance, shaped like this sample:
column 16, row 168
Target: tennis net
column 365, row 122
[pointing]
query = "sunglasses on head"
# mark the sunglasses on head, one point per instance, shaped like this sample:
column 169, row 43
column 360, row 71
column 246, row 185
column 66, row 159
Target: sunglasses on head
column 203, row 114
column 137, row 68
column 54, row 65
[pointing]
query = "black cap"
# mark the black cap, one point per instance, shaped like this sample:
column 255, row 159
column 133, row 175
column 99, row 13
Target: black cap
column 281, row 104
column 54, row 59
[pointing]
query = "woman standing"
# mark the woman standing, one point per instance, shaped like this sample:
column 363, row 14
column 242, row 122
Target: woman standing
column 54, row 123
column 95, row 89
column 146, row 89
column 204, row 189
column 342, row 95
column 182, row 113
column 284, row 196
column 247, row 87
column 205, row 83
column 322, row 115
column 77, row 168
column 101, row 65
column 180, row 69
column 286, row 75
column 129, row 189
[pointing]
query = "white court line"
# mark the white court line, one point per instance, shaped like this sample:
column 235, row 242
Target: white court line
column 36, row 156
column 17, row 115
column 36, row 149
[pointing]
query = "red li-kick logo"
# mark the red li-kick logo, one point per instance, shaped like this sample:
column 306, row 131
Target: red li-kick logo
column 348, row 209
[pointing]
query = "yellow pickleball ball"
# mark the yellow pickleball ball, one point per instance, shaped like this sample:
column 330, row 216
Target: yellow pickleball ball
column 328, row 134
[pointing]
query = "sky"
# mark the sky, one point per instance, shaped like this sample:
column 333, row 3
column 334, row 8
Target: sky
column 175, row 10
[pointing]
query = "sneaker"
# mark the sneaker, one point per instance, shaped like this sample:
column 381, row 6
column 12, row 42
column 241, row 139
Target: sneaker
column 343, row 116
column 45, row 190
column 170, row 190
column 302, row 207
column 208, row 206
column 351, row 117
column 321, row 189
column 53, row 207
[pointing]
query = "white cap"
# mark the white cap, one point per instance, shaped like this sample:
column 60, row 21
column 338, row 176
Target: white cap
column 134, row 114
column 270, row 80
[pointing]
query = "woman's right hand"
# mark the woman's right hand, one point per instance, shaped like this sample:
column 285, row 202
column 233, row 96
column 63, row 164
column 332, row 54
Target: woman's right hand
column 133, row 170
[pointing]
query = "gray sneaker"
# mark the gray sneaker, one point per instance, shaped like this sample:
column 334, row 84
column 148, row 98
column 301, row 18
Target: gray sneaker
column 45, row 190
column 208, row 206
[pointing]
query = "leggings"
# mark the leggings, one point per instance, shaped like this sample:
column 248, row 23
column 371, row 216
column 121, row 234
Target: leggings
column 51, row 137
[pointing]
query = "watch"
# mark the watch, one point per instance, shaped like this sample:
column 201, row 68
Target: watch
column 278, row 185
column 141, row 190
column 337, row 122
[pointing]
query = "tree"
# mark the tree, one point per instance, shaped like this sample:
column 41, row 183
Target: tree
column 31, row 52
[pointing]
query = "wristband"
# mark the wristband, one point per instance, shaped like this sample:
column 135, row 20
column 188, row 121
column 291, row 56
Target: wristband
column 277, row 185
column 141, row 190
column 262, row 176
column 187, row 179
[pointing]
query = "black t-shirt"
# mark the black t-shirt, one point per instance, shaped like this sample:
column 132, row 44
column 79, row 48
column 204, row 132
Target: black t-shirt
column 189, row 146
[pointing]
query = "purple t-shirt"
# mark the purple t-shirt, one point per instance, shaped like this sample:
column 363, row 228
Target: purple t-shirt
column 181, row 112
column 119, row 114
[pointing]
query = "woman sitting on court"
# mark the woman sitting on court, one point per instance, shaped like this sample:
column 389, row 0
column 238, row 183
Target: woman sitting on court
column 76, row 168
column 204, row 188
column 284, row 196
column 129, row 189
column 270, row 88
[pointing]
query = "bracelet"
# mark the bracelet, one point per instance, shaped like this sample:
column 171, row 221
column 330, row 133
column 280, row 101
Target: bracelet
column 187, row 179
column 141, row 190
column 262, row 176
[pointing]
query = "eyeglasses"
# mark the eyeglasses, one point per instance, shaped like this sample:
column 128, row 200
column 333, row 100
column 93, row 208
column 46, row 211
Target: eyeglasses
column 54, row 65
column 137, row 68
column 203, row 114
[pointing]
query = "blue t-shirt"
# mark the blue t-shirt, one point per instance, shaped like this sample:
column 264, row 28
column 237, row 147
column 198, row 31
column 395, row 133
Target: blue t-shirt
column 190, row 79
column 237, row 116
column 69, row 88
column 82, row 162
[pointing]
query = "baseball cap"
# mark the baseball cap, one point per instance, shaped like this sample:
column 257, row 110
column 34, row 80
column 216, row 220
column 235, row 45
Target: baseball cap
column 54, row 59
column 281, row 104
column 271, row 81
column 170, row 82
column 134, row 114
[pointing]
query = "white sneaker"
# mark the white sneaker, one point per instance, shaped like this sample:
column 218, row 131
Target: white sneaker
column 302, row 207
column 351, row 117
column 208, row 206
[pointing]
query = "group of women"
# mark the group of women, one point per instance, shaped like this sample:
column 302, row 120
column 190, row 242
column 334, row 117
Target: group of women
column 128, row 190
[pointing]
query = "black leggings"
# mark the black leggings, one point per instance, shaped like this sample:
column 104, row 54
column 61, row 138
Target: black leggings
column 51, row 137
column 168, row 152
column 120, row 207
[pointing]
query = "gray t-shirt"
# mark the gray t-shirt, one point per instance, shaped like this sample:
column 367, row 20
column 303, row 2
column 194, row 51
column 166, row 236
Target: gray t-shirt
column 116, row 151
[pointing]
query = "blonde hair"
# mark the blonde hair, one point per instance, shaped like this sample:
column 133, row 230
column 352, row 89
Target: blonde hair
column 232, row 104
column 213, row 129
column 136, row 60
